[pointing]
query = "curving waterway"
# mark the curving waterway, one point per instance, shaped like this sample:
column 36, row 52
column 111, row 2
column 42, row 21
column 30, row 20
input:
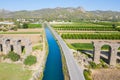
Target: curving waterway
column 53, row 67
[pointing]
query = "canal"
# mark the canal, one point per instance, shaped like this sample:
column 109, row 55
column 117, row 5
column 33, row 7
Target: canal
column 53, row 66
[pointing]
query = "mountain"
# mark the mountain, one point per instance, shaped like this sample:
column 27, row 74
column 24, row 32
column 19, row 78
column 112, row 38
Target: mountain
column 60, row 13
column 4, row 13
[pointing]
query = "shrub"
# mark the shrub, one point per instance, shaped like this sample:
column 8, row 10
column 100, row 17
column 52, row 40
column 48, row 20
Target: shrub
column 91, row 36
column 93, row 65
column 13, row 56
column 87, row 74
column 4, row 30
column 30, row 60
column 15, row 28
column 25, row 25
column 103, row 64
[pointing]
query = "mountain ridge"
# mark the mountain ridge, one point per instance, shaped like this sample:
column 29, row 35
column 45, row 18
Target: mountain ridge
column 60, row 13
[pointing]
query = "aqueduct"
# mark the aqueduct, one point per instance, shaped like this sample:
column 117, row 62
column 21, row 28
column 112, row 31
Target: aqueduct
column 113, row 50
column 15, row 44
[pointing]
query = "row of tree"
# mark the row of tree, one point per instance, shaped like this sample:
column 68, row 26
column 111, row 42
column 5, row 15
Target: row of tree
column 91, row 36
column 85, row 28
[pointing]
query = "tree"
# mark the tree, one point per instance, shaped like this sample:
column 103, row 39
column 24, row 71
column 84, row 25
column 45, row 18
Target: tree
column 30, row 60
column 13, row 56
column 25, row 25
column 114, row 25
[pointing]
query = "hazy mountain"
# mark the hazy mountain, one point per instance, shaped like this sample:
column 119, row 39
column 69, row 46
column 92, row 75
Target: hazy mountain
column 59, row 13
column 4, row 13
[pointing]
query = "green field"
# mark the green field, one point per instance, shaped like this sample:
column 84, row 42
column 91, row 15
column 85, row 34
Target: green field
column 88, row 30
column 34, row 25
column 89, row 26
column 106, row 36
column 37, row 47
column 85, row 46
column 14, row 72
column 82, row 45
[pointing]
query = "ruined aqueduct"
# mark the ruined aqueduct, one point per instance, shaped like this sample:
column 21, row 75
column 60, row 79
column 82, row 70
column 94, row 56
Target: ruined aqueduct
column 16, row 44
column 113, row 50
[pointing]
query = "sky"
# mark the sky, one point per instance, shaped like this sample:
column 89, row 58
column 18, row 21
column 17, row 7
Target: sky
column 16, row 5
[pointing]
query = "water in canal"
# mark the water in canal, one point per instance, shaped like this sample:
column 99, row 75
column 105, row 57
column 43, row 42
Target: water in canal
column 53, row 67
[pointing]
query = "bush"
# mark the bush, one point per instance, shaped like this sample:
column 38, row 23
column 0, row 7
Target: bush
column 15, row 28
column 87, row 74
column 25, row 25
column 93, row 65
column 30, row 60
column 118, row 29
column 13, row 56
column 103, row 64
column 4, row 30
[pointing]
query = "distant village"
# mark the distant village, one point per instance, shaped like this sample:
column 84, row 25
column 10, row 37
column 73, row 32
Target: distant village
column 11, row 24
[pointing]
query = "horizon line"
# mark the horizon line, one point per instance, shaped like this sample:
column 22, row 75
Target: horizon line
column 56, row 7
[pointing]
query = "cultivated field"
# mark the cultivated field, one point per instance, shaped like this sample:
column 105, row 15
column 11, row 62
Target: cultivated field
column 79, row 36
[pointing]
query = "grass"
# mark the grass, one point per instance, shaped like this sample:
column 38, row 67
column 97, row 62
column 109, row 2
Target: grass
column 86, row 46
column 20, row 32
column 37, row 47
column 82, row 46
column 71, row 46
column 106, row 74
column 87, row 75
column 14, row 72
column 34, row 25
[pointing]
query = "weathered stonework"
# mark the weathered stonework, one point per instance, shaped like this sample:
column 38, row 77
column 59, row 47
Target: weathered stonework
column 8, row 44
column 112, row 51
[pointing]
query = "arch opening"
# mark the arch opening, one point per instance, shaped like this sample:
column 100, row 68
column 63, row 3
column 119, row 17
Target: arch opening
column 19, row 42
column 12, row 48
column 118, row 56
column 1, row 48
column 23, row 49
column 7, row 41
column 105, row 53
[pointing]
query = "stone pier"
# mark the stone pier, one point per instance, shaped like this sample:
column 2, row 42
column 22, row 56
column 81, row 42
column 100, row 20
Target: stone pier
column 113, row 49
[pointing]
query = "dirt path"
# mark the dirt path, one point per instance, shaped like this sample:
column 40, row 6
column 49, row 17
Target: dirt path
column 28, row 30
column 78, row 31
column 86, row 40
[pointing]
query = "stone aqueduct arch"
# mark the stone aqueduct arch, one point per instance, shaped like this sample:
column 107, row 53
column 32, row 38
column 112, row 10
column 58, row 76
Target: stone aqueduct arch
column 112, row 54
column 16, row 43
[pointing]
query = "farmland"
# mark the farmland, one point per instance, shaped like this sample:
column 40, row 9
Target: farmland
column 34, row 25
column 88, row 26
column 110, row 36
column 79, row 37
column 87, row 30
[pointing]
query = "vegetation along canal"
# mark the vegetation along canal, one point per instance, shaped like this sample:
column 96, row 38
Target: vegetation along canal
column 53, row 67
